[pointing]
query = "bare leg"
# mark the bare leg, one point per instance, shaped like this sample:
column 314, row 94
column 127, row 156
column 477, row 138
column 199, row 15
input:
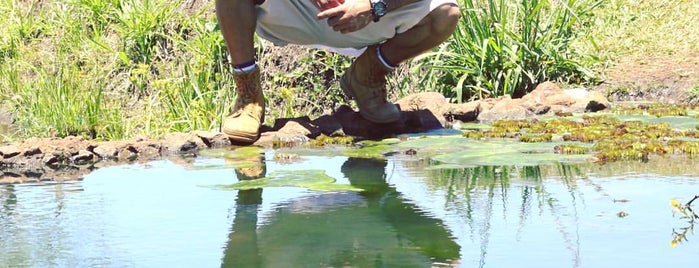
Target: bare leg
column 434, row 29
column 238, row 19
column 365, row 80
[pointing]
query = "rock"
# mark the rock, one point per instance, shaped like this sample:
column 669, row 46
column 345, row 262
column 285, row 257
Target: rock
column 588, row 101
column 48, row 158
column 293, row 134
column 422, row 101
column 106, row 151
column 464, row 112
column 9, row 151
column 127, row 153
column 31, row 151
column 213, row 139
column 178, row 143
column 83, row 157
column 545, row 95
column 421, row 121
column 506, row 108
column 425, row 101
column 355, row 125
column 51, row 160
column 329, row 126
column 266, row 139
column 281, row 122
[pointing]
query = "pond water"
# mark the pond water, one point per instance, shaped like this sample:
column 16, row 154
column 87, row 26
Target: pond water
column 393, row 212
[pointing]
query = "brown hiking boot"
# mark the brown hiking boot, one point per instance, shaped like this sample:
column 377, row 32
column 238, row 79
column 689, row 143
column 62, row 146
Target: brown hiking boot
column 365, row 82
column 243, row 124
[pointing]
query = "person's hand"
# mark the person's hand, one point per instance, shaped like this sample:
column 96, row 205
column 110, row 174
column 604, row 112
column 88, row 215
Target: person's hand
column 350, row 16
column 323, row 5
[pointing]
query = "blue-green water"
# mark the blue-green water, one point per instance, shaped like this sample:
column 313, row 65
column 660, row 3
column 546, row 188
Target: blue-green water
column 174, row 213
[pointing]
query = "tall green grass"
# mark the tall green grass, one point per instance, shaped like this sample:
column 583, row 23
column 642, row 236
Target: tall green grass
column 111, row 69
column 507, row 47
column 64, row 102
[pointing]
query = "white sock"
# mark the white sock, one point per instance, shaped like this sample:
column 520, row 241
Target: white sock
column 382, row 60
column 245, row 69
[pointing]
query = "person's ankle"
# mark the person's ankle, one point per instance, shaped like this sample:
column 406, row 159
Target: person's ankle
column 244, row 68
column 383, row 59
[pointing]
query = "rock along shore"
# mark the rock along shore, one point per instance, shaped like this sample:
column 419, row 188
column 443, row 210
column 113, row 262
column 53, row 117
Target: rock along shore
column 70, row 158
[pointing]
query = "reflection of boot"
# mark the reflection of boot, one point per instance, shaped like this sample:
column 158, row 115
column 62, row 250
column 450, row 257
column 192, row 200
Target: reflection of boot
column 249, row 169
column 365, row 81
column 248, row 114
column 250, row 173
column 367, row 174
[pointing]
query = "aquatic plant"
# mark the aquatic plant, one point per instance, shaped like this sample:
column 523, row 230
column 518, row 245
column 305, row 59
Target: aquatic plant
column 612, row 139
column 600, row 120
column 511, row 125
column 285, row 158
column 687, row 213
column 655, row 109
column 316, row 180
column 570, row 148
column 546, row 137
column 473, row 134
column 324, row 140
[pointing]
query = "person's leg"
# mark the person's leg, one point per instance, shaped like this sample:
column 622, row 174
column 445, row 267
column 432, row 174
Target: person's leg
column 431, row 31
column 238, row 20
column 365, row 80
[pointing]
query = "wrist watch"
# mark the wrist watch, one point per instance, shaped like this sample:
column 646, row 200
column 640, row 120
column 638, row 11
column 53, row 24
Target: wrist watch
column 378, row 9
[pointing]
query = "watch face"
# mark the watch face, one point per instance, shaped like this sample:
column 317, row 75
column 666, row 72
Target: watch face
column 380, row 8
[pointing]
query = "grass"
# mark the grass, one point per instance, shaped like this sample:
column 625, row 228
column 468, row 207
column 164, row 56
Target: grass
column 109, row 69
column 504, row 47
column 636, row 30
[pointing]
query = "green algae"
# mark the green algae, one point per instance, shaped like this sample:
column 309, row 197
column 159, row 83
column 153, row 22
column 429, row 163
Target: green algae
column 451, row 151
column 238, row 153
column 600, row 137
column 315, row 180
column 372, row 149
column 243, row 157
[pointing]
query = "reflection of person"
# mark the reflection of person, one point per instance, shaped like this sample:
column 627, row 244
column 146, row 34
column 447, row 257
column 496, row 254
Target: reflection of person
column 375, row 227
column 392, row 31
column 424, row 232
column 242, row 249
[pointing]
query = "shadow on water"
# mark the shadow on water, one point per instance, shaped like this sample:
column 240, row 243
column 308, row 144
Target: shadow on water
column 373, row 228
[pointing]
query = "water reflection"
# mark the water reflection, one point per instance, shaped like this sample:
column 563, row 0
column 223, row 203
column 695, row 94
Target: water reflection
column 172, row 213
column 475, row 193
column 373, row 228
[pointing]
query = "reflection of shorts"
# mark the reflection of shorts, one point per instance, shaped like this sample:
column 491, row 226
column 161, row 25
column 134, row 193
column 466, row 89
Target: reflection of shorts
column 294, row 22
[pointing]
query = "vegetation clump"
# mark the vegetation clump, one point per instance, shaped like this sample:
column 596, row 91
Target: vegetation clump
column 473, row 134
column 612, row 138
column 324, row 140
column 655, row 109
column 545, row 137
column 570, row 148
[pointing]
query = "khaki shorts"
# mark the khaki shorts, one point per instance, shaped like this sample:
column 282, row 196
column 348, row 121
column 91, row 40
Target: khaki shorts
column 294, row 22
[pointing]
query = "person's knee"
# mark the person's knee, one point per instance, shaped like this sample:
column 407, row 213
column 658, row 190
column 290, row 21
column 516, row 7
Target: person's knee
column 444, row 19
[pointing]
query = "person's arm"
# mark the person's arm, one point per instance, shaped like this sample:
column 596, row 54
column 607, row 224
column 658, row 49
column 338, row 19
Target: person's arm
column 353, row 15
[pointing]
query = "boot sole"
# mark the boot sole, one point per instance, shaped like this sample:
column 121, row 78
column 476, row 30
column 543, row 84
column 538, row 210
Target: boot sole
column 350, row 95
column 243, row 137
